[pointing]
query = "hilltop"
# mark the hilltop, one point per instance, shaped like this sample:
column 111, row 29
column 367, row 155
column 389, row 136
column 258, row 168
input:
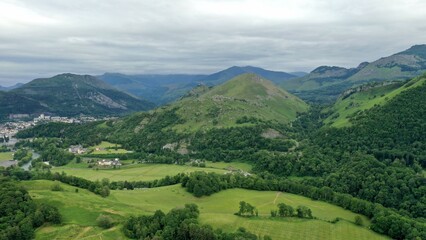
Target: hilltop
column 247, row 96
column 69, row 95
column 325, row 83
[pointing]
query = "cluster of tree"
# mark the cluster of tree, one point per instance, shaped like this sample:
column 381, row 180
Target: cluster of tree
column 166, row 181
column 153, row 131
column 23, row 156
column 285, row 210
column 19, row 214
column 237, row 143
column 50, row 149
column 246, row 209
column 179, row 223
column 88, row 134
column 202, row 184
column 3, row 148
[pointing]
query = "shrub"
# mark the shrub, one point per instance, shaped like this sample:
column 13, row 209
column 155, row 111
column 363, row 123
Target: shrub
column 104, row 221
column 358, row 220
column 56, row 187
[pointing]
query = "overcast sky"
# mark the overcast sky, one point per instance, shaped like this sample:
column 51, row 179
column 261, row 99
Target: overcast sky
column 40, row 38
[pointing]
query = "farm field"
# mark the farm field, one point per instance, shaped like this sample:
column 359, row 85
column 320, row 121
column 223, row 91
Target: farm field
column 137, row 172
column 80, row 210
column 104, row 148
column 224, row 165
column 4, row 156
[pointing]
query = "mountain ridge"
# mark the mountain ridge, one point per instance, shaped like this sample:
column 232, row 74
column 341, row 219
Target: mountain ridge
column 166, row 88
column 324, row 84
column 69, row 95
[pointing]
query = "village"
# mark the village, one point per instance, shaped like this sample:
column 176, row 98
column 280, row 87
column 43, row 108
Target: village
column 19, row 122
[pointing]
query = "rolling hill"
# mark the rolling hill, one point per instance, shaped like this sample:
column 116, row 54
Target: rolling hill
column 247, row 95
column 325, row 83
column 69, row 95
column 162, row 89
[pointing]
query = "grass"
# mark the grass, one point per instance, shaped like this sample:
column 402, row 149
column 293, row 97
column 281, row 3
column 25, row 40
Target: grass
column 245, row 95
column 365, row 100
column 4, row 156
column 81, row 209
column 104, row 148
column 136, row 172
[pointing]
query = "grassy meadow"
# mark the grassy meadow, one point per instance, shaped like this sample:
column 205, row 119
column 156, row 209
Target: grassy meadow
column 107, row 148
column 143, row 172
column 80, row 210
column 4, row 156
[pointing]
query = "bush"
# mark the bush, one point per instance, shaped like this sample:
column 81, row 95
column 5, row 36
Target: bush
column 358, row 221
column 104, row 221
column 56, row 187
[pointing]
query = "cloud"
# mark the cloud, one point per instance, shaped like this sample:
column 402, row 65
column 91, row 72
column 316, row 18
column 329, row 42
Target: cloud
column 45, row 37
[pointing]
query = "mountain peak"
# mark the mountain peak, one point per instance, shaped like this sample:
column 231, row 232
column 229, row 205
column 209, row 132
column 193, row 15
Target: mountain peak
column 418, row 50
column 323, row 69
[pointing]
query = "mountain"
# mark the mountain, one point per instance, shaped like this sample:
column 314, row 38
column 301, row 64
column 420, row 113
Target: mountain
column 156, row 88
column 245, row 98
column 355, row 101
column 225, row 75
column 69, row 95
column 325, row 83
column 389, row 117
column 162, row 89
column 10, row 87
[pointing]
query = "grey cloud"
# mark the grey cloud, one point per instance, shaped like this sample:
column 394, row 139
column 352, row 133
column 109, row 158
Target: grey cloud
column 46, row 37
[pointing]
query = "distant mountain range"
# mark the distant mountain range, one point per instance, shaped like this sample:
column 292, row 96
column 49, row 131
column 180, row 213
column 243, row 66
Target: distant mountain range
column 162, row 89
column 325, row 83
column 10, row 87
column 69, row 95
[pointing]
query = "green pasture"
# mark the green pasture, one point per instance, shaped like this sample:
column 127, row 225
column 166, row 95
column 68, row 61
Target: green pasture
column 80, row 210
column 105, row 148
column 136, row 172
column 4, row 156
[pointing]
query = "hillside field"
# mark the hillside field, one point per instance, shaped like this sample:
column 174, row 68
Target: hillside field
column 107, row 148
column 143, row 172
column 80, row 210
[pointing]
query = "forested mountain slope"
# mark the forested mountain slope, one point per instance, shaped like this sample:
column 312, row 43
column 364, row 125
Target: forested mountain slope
column 70, row 95
column 326, row 83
